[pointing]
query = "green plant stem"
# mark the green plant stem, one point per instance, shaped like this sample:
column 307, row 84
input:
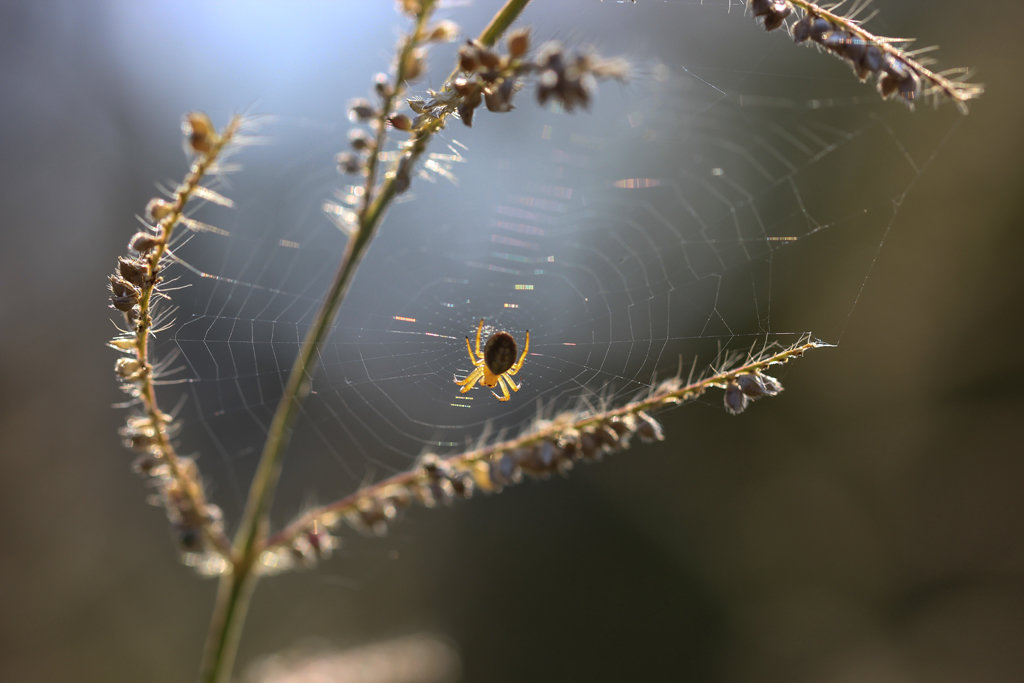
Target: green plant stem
column 501, row 21
column 235, row 588
column 233, row 594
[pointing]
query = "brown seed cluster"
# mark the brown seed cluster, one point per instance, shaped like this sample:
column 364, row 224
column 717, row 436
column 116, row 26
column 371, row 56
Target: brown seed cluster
column 412, row 65
column 439, row 481
column 774, row 12
column 747, row 387
column 865, row 58
column 134, row 286
column 490, row 78
column 547, row 447
column 362, row 142
column 868, row 55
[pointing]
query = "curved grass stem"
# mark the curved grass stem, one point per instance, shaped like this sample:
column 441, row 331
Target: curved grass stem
column 236, row 586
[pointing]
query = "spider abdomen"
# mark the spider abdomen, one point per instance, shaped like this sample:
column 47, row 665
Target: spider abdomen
column 500, row 352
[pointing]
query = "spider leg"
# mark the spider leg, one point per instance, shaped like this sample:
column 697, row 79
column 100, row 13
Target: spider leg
column 479, row 329
column 526, row 349
column 470, row 349
column 511, row 383
column 471, row 380
column 504, row 389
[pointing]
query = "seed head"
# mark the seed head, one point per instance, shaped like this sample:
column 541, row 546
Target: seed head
column 735, row 400
column 359, row 139
column 127, row 368
column 518, row 43
column 415, row 64
column 349, row 163
column 134, row 271
column 469, row 60
column 157, row 209
column 382, row 85
column 143, row 242
column 400, row 121
column 361, row 110
column 199, row 132
column 443, row 32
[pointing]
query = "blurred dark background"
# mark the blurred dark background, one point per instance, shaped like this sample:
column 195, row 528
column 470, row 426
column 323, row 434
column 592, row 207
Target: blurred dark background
column 864, row 526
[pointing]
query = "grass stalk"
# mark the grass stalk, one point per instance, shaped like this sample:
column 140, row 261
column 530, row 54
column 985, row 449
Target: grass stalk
column 235, row 587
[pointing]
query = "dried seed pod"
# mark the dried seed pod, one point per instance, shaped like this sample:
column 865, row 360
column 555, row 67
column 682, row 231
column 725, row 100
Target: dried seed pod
column 382, row 86
column 775, row 20
column 887, row 85
column 500, row 99
column 835, row 40
column 751, row 385
column 897, row 76
column 360, row 110
column 139, row 440
column 811, row 27
column 439, row 491
column 411, row 8
column 320, row 540
column 462, row 485
column 142, row 443
column 607, row 437
column 125, row 304
column 567, row 81
column 126, row 344
column 157, row 209
column 488, row 59
column 415, row 64
column 622, row 425
column 536, row 460
column 403, row 176
column 302, row 553
column 121, row 287
column 434, row 467
column 371, row 516
column 146, row 464
column 872, row 59
column 802, row 28
column 465, row 111
column 505, row 470
column 518, row 42
column 463, row 86
column 482, row 477
column 189, row 538
column 570, row 451
column 589, row 446
column 773, row 11
column 359, row 139
column 143, row 242
column 735, row 400
column 648, row 428
column 400, row 499
column 349, row 163
column 123, row 294
column 199, row 132
column 469, row 57
column 400, row 121
column 772, row 386
column 133, row 270
column 443, row 32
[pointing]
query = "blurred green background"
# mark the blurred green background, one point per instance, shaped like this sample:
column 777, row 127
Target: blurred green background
column 864, row 526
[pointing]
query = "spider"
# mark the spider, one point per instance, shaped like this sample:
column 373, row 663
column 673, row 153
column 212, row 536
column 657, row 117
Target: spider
column 496, row 365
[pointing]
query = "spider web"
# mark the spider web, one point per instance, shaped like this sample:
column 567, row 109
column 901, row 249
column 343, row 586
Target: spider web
column 723, row 199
